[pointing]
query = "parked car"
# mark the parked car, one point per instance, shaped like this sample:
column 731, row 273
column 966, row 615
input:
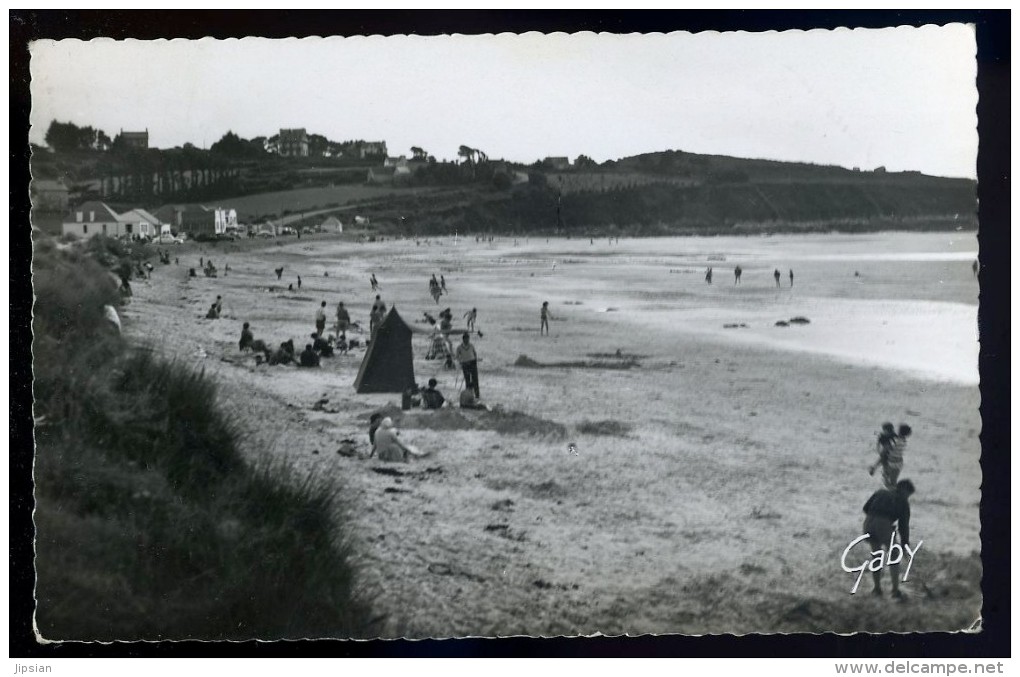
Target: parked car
column 265, row 233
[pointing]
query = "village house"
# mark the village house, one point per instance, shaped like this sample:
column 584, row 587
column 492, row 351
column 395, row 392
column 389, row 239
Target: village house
column 293, row 143
column 140, row 222
column 92, row 218
column 135, row 139
column 557, row 162
column 367, row 149
column 395, row 161
column 198, row 219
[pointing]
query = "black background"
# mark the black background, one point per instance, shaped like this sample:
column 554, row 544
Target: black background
column 993, row 38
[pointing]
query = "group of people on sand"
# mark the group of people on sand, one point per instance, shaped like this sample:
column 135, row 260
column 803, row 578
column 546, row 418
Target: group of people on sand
column 738, row 271
column 437, row 287
column 215, row 310
column 320, row 347
column 887, row 510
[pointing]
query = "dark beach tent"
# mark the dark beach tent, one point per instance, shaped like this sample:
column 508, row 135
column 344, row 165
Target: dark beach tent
column 388, row 366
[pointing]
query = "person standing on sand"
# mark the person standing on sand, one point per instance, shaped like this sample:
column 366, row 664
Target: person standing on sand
column 545, row 315
column 777, row 276
column 468, row 359
column 708, row 275
column 974, row 266
column 299, row 282
column 442, row 283
column 884, row 446
column 343, row 319
column 736, row 275
column 219, row 305
column 470, row 317
column 247, row 337
column 895, row 462
column 320, row 319
column 377, row 314
column 791, row 277
column 886, row 511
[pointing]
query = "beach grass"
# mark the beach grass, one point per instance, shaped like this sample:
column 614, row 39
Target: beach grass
column 150, row 522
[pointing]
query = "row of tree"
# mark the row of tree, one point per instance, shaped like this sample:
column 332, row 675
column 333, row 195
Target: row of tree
column 67, row 136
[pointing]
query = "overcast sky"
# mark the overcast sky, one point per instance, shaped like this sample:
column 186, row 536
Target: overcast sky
column 900, row 97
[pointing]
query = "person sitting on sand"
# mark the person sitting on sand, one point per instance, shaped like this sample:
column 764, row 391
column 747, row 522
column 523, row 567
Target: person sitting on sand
column 432, row 398
column 213, row 313
column 284, row 354
column 321, row 346
column 308, row 358
column 388, row 444
column 246, row 338
column 373, row 425
column 888, row 510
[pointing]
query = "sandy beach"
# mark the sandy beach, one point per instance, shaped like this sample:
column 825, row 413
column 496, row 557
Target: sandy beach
column 709, row 487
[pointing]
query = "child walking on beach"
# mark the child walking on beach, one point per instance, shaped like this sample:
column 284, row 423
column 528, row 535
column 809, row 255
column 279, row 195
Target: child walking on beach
column 545, row 319
column 890, row 446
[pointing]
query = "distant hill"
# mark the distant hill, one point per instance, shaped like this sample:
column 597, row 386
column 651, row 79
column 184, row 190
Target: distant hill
column 675, row 192
column 668, row 192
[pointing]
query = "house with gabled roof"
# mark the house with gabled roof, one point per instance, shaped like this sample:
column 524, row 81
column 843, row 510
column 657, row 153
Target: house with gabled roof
column 92, row 218
column 140, row 222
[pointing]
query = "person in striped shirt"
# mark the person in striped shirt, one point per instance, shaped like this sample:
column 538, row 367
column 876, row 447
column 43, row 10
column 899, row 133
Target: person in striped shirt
column 891, row 449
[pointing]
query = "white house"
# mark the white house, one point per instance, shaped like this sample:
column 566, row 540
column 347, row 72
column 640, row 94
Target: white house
column 92, row 218
column 225, row 219
column 140, row 222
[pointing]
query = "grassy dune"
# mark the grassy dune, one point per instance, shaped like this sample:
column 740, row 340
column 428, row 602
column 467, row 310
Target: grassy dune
column 150, row 523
